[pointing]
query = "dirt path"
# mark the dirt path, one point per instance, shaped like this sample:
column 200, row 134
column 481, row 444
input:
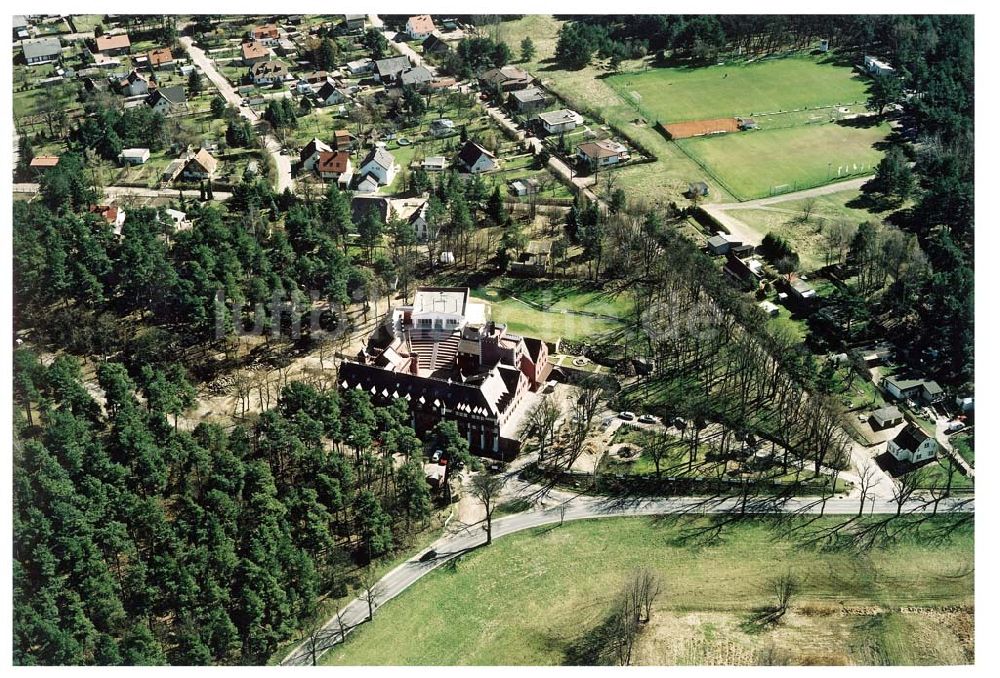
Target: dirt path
column 283, row 163
column 750, row 235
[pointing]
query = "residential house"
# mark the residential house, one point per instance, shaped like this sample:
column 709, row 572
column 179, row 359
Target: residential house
column 43, row 162
column 528, row 100
column 419, row 27
column 435, row 45
column 602, row 153
column 286, row 48
column 114, row 45
column 173, row 170
column 113, row 215
column 20, row 26
column 254, row 52
column 388, row 70
column 314, row 77
column 884, row 417
column 878, row 67
column 771, row 309
column 563, row 120
column 178, row 219
column 41, row 50
column 435, row 163
column 719, row 244
column 330, row 95
column 160, row 58
column 524, row 187
column 342, row 140
column 108, row 62
column 335, row 166
column 360, row 67
column 801, row 290
column 268, row 72
column 380, row 164
column 747, row 273
column 368, row 184
column 476, row 159
column 922, row 390
column 418, row 77
column 505, row 79
column 534, row 260
column 134, row 156
column 134, row 85
column 304, row 87
column 442, row 127
column 310, row 154
column 167, row 100
column 414, row 212
column 201, row 166
column 912, row 445
column 266, row 35
column 354, row 22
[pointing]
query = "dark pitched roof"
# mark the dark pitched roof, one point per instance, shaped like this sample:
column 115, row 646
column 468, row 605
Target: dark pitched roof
column 471, row 152
column 534, row 347
column 910, row 437
column 392, row 66
column 415, row 76
column 269, row 68
column 173, row 95
column 312, row 147
column 435, row 44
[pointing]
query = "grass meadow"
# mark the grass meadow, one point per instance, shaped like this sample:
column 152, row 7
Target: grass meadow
column 760, row 87
column 537, row 597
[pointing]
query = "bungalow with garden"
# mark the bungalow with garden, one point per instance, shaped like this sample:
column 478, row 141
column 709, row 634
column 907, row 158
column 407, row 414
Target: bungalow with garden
column 114, row 45
column 602, row 153
column 563, row 120
column 476, row 159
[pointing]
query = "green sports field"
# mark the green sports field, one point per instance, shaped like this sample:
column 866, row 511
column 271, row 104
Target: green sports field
column 767, row 86
column 753, row 164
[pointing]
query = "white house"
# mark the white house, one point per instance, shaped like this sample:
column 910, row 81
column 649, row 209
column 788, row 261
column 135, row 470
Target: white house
column 878, row 67
column 329, row 94
column 562, row 120
column 310, row 154
column 201, row 166
column 918, row 389
column 178, row 219
column 420, row 26
column 442, row 127
column 268, row 72
column 476, row 159
column 380, row 164
column 912, row 445
column 602, row 153
column 414, row 212
column 134, row 156
column 41, row 50
column 134, row 85
column 166, row 100
column 361, row 66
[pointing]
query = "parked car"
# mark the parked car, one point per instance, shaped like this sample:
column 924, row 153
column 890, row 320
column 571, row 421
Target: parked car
column 496, row 467
column 955, row 427
column 648, row 419
column 626, row 415
column 437, row 455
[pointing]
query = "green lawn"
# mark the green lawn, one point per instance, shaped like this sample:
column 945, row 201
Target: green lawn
column 548, row 325
column 964, row 444
column 532, row 596
column 734, row 89
column 806, row 236
column 762, row 163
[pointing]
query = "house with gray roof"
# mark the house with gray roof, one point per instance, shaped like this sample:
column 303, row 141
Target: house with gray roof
column 388, row 70
column 41, row 50
column 380, row 164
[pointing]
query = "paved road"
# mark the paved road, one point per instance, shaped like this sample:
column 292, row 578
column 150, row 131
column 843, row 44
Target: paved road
column 576, row 508
column 282, row 162
column 122, row 191
column 750, row 235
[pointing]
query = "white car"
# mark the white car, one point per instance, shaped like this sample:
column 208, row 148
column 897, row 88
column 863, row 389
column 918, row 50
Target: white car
column 437, row 455
column 648, row 419
column 626, row 415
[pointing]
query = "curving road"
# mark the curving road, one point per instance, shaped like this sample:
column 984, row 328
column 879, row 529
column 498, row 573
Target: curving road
column 577, row 508
column 282, row 162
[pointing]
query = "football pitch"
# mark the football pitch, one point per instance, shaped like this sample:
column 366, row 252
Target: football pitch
column 766, row 86
column 761, row 163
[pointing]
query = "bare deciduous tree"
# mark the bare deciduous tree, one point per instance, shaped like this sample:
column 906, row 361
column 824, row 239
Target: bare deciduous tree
column 486, row 488
column 371, row 589
column 906, row 485
column 867, row 477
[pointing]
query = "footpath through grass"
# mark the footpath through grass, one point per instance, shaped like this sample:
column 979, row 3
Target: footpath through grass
column 533, row 597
